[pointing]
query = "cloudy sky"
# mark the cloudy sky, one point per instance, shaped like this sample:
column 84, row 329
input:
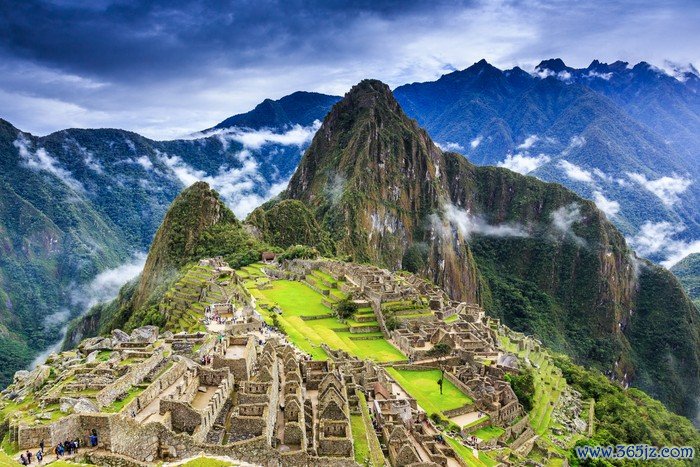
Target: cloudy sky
column 166, row 68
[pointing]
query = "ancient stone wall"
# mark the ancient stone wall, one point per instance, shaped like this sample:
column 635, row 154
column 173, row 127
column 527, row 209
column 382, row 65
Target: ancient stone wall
column 183, row 416
column 135, row 375
column 156, row 388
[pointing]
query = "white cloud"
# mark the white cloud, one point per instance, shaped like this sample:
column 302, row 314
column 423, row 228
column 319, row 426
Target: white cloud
column 603, row 176
column 42, row 160
column 106, row 285
column 575, row 142
column 476, row 142
column 523, row 163
column 564, row 218
column 145, row 162
column 450, row 146
column 575, row 172
column 665, row 188
column 468, row 224
column 240, row 187
column 546, row 73
column 297, row 135
column 89, row 158
column 594, row 74
column 529, row 142
column 658, row 239
column 609, row 207
column 103, row 288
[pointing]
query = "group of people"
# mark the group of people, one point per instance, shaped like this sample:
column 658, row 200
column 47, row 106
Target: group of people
column 211, row 316
column 206, row 360
column 65, row 448
column 26, row 459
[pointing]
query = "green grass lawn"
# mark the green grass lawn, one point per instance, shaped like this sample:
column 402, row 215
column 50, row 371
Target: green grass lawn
column 488, row 433
column 467, row 455
column 298, row 300
column 359, row 436
column 7, row 461
column 422, row 385
column 207, row 462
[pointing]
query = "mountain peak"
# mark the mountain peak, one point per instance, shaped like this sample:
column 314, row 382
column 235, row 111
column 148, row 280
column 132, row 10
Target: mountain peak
column 370, row 93
column 191, row 214
column 553, row 64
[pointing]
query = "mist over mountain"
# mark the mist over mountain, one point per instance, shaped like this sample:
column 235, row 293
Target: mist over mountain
column 78, row 202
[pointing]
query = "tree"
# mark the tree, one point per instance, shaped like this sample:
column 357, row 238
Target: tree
column 345, row 308
column 523, row 385
column 440, row 350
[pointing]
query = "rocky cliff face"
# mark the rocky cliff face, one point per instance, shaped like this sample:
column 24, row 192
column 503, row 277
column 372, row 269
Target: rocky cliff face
column 374, row 179
column 535, row 254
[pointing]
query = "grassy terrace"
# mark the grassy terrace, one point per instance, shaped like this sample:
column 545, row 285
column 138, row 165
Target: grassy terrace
column 548, row 387
column 422, row 385
column 467, row 455
column 359, row 435
column 309, row 323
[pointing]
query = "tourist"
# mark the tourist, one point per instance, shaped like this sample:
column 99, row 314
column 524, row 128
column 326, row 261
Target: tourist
column 41, row 445
column 39, row 456
column 22, row 459
column 29, row 457
column 77, row 445
column 59, row 450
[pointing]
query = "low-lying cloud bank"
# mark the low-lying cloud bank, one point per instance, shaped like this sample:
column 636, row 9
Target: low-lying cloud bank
column 523, row 163
column 296, row 135
column 667, row 189
column 103, row 288
column 41, row 160
column 563, row 220
column 469, row 224
column 659, row 239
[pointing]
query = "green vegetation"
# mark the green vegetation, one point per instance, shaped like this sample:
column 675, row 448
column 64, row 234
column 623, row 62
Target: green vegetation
column 207, row 462
column 422, row 385
column 119, row 404
column 299, row 252
column 440, row 350
column 467, row 455
column 7, row 461
column 359, row 436
column 688, row 273
column 345, row 308
column 627, row 416
column 523, row 385
column 298, row 302
column 376, row 457
column 488, row 433
column 288, row 223
column 547, row 382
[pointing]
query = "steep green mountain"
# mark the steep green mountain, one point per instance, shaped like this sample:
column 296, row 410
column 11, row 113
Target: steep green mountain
column 626, row 138
column 53, row 240
column 197, row 225
column 287, row 223
column 688, row 273
column 534, row 254
column 77, row 202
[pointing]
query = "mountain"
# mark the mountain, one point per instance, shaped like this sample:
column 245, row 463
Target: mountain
column 197, row 225
column 688, row 273
column 79, row 202
column 532, row 253
column 624, row 137
column 299, row 108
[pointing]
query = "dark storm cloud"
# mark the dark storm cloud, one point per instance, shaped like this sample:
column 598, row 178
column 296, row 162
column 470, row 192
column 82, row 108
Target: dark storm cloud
column 147, row 39
column 166, row 68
